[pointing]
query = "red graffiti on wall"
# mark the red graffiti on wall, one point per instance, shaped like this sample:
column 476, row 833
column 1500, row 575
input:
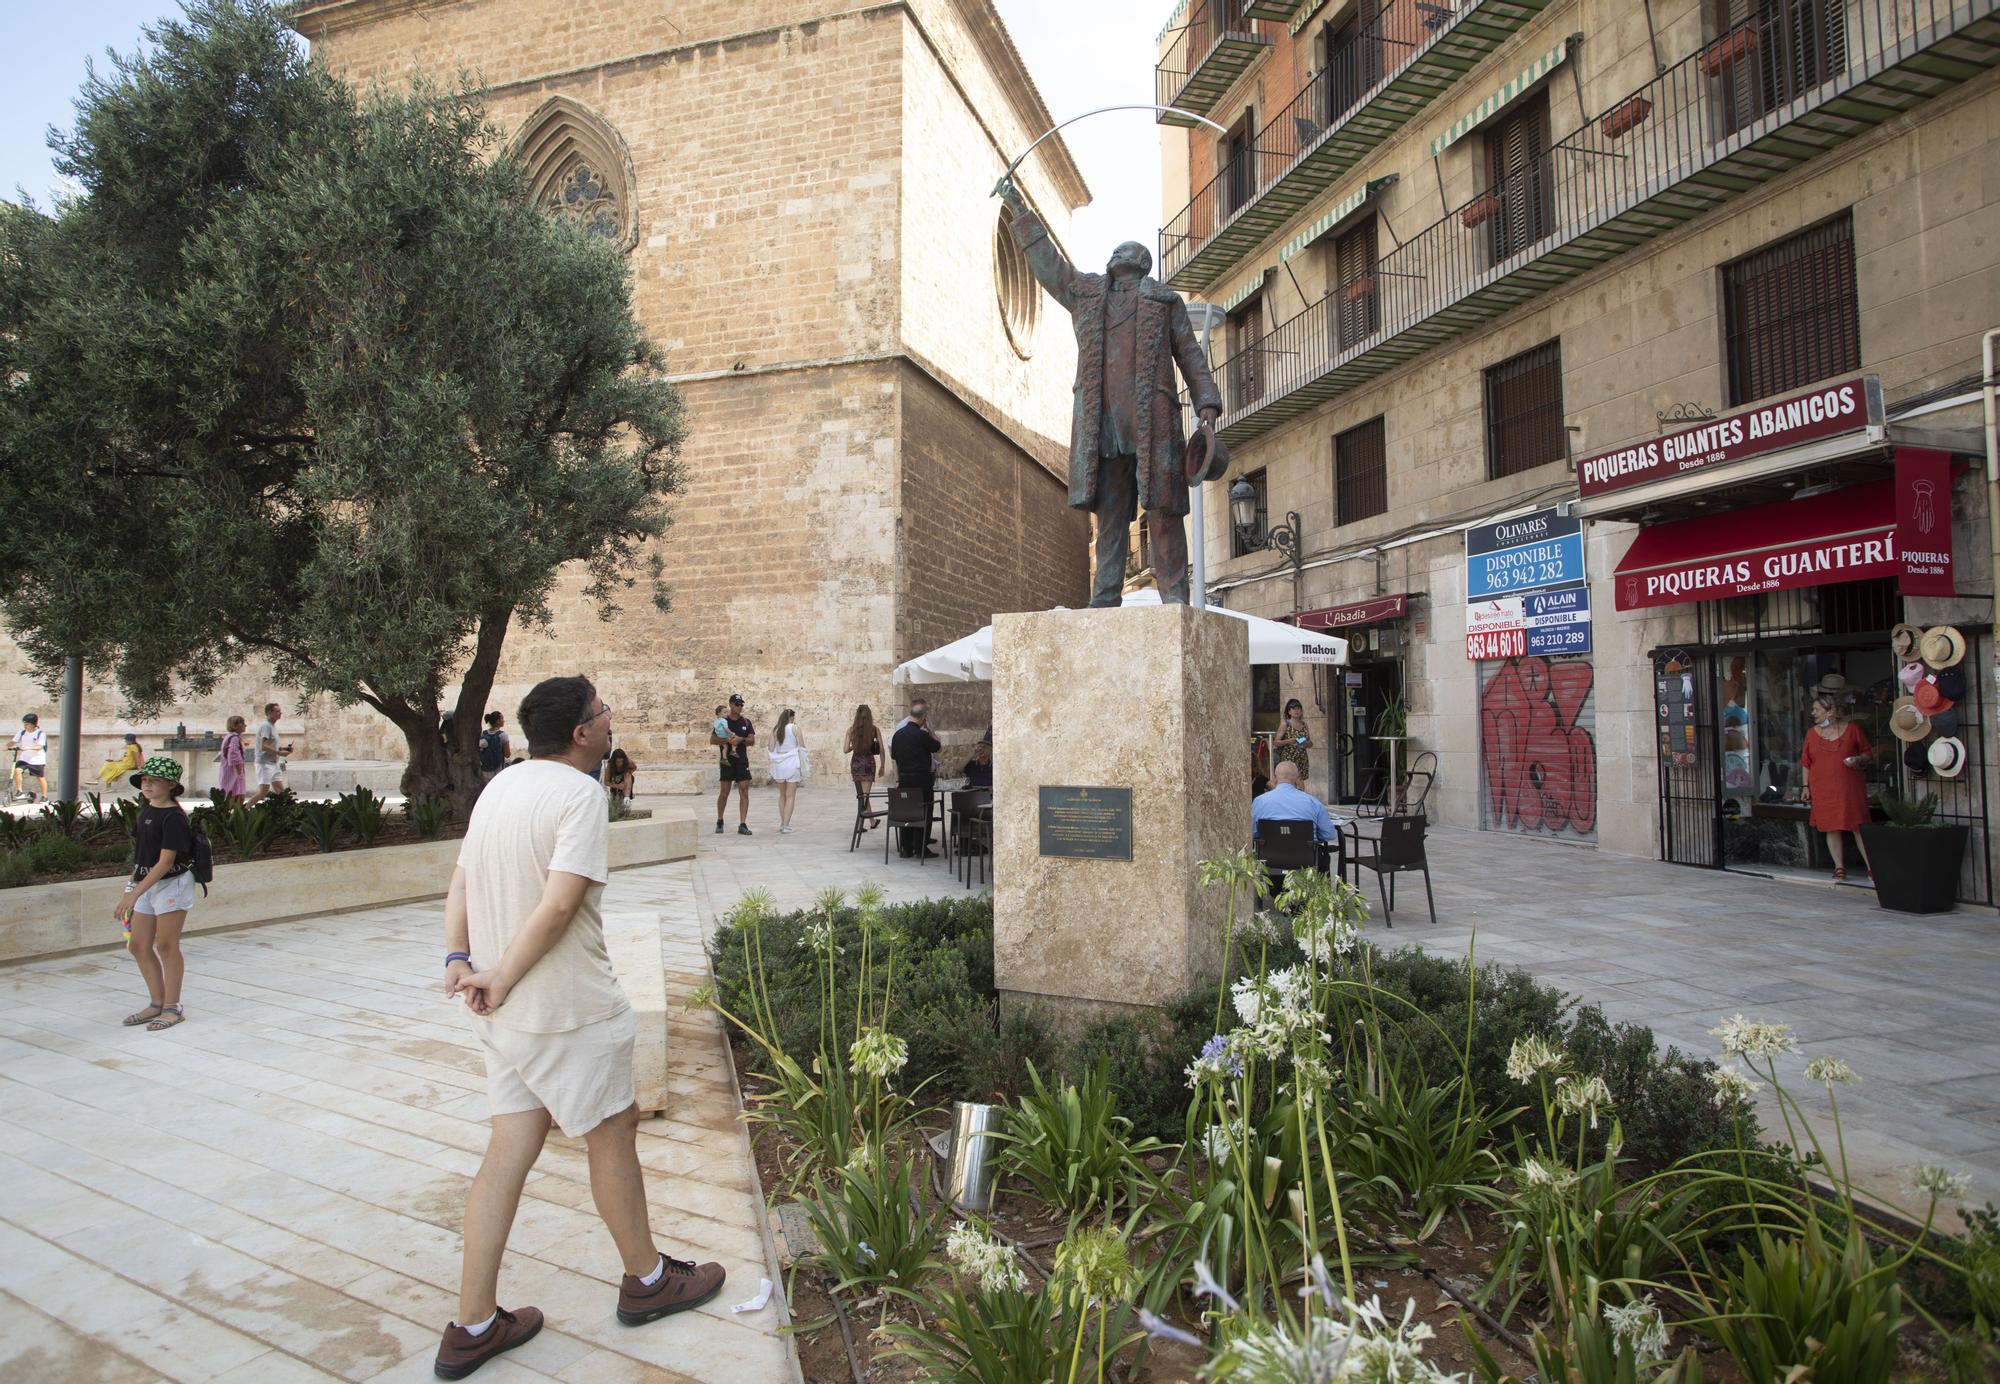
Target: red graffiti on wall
column 1540, row 765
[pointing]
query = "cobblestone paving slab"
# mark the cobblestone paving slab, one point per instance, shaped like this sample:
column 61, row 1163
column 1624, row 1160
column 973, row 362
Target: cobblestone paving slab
column 272, row 1191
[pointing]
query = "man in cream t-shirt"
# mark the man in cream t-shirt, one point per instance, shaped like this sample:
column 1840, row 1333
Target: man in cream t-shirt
column 524, row 946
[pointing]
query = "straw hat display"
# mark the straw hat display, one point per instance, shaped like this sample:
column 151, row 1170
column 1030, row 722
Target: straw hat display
column 1930, row 698
column 1906, row 722
column 1947, row 756
column 1941, row 646
column 1903, row 641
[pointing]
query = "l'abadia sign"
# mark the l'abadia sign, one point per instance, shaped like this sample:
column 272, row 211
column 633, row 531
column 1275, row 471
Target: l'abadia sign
column 1846, row 406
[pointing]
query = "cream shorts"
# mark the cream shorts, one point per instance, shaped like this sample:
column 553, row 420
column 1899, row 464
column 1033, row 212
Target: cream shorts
column 582, row 1077
column 270, row 773
column 174, row 894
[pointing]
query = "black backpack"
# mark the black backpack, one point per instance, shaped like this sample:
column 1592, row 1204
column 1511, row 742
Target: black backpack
column 201, row 859
column 490, row 752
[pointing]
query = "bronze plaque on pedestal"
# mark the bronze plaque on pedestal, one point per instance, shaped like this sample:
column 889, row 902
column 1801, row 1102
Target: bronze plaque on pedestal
column 1086, row 823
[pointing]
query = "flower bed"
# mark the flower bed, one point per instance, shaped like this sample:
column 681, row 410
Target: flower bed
column 1403, row 1167
column 93, row 839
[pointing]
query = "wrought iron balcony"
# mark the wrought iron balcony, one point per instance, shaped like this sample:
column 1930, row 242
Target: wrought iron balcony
column 1219, row 39
column 1395, row 67
column 1768, row 95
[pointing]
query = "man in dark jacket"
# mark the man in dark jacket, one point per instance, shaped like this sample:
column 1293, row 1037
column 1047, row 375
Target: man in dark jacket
column 912, row 747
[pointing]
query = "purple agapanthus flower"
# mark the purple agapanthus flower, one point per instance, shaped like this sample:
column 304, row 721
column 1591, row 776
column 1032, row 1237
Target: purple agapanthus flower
column 1216, row 1049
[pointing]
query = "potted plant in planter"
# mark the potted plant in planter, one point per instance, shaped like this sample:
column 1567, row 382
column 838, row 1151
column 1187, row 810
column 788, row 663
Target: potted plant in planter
column 1913, row 858
column 1479, row 209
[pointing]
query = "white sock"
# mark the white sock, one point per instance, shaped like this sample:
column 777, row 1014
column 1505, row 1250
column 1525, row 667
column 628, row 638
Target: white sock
column 654, row 1277
column 480, row 1330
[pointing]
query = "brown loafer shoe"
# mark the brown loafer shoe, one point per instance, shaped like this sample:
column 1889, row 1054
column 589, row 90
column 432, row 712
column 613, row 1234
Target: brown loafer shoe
column 682, row 1287
column 461, row 1352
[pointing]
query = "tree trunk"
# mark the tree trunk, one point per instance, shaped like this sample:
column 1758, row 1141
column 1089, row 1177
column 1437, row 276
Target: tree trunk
column 445, row 763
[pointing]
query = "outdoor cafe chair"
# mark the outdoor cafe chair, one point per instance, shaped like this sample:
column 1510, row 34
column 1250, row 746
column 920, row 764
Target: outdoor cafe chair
column 1398, row 850
column 965, row 802
column 865, row 812
column 915, row 808
column 1284, row 847
column 975, row 840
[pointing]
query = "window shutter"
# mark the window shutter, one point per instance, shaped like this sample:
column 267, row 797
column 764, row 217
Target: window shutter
column 1357, row 290
column 1793, row 313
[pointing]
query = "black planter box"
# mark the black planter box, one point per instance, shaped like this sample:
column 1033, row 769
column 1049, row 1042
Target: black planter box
column 1915, row 868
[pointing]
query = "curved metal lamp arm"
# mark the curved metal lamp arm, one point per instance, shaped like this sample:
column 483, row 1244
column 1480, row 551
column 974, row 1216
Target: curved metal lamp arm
column 1219, row 129
column 1284, row 539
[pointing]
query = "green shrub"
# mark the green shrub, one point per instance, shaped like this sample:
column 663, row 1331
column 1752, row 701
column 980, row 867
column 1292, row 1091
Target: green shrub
column 427, row 816
column 871, row 1229
column 319, row 823
column 51, row 854
column 1070, row 1145
column 246, row 830
column 362, row 813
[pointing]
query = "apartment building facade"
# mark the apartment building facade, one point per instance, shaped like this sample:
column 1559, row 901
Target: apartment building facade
column 1612, row 367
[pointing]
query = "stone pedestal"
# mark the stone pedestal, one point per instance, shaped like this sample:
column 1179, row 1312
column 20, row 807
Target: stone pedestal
column 1154, row 699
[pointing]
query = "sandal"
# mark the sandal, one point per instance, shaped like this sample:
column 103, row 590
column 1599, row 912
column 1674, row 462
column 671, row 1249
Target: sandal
column 146, row 1015
column 1839, row 873
column 170, row 1014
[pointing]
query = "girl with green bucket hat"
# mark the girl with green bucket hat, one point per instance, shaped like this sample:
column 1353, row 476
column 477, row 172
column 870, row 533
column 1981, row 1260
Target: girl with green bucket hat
column 156, row 902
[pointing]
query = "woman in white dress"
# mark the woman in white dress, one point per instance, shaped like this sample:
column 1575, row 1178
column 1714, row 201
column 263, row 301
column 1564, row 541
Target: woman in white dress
column 787, row 767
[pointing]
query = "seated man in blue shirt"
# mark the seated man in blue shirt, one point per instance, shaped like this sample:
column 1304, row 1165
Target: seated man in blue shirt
column 1285, row 801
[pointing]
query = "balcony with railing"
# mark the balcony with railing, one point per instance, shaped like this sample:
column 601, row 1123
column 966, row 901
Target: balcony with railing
column 1788, row 84
column 1206, row 54
column 1395, row 66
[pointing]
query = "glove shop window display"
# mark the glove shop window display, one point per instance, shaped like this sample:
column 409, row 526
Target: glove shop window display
column 1918, row 856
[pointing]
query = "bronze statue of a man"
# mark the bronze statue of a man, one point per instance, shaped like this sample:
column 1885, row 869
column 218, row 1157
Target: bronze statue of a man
column 1126, row 446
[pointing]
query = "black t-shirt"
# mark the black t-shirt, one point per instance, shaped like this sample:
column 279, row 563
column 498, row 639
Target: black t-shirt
column 737, row 756
column 158, row 829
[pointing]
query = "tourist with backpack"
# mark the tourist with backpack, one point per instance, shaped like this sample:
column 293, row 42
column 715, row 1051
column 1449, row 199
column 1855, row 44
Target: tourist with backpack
column 496, row 747
column 167, row 862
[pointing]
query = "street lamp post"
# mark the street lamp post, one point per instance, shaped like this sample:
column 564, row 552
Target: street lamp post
column 1279, row 538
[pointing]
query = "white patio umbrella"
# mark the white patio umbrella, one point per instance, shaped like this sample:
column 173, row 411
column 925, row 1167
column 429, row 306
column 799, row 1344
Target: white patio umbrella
column 971, row 659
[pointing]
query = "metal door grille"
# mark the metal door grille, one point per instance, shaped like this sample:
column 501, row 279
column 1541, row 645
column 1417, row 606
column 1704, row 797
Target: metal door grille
column 1684, row 745
column 1793, row 314
column 1524, row 423
column 1360, row 473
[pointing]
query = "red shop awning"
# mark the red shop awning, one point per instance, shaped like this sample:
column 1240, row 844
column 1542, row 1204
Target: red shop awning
column 1346, row 617
column 1844, row 535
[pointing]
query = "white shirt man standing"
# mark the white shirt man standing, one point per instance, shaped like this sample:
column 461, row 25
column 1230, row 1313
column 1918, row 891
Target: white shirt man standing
column 269, row 755
column 31, row 758
column 524, row 945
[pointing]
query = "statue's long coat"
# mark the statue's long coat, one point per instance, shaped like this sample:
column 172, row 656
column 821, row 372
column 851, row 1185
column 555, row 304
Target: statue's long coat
column 1162, row 336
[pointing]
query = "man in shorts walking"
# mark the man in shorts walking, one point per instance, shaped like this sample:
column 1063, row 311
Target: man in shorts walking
column 734, row 764
column 269, row 755
column 524, row 945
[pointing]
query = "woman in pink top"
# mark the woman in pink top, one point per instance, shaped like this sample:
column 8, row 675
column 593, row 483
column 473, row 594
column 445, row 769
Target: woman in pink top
column 230, row 780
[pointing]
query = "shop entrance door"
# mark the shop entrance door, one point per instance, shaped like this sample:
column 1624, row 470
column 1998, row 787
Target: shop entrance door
column 1369, row 687
column 1685, row 746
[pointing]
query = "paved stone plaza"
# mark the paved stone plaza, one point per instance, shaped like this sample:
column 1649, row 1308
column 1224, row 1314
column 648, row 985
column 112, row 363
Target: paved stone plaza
column 272, row 1191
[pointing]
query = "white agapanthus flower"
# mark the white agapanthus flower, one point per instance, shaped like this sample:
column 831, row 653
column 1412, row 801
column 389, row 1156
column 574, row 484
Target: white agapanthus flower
column 1743, row 1037
column 990, row 1260
column 1640, row 1326
column 1530, row 1056
column 1536, row 1175
column 1928, row 1179
column 818, row 937
column 1731, row 1086
column 1215, row 1146
column 1585, row 1097
column 1365, row 1348
column 878, row 1053
column 1830, row 1070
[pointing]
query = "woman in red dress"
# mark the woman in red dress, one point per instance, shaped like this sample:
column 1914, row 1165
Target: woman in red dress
column 1835, row 780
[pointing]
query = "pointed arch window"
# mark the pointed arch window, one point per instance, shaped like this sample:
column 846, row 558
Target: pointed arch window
column 578, row 167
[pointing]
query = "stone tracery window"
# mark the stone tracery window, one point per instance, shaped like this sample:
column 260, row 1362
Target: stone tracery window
column 579, row 168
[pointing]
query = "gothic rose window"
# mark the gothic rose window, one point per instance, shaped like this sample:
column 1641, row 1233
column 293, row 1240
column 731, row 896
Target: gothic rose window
column 579, row 168
column 583, row 197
